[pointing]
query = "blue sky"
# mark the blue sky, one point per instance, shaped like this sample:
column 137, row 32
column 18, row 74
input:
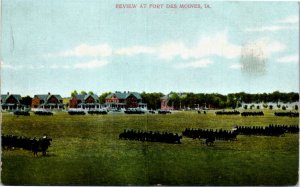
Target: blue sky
column 58, row 46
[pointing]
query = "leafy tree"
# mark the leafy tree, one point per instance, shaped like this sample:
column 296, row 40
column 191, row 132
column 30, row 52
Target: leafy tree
column 245, row 107
column 91, row 93
column 270, row 107
column 296, row 107
column 257, row 107
column 283, row 108
column 152, row 99
column 174, row 100
column 103, row 96
column 74, row 93
column 26, row 100
column 83, row 92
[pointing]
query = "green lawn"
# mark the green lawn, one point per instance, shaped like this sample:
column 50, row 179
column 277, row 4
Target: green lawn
column 86, row 151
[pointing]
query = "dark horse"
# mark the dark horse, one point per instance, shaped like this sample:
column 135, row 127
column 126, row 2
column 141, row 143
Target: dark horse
column 40, row 145
column 210, row 141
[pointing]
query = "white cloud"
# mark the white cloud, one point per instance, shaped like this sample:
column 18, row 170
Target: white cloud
column 235, row 66
column 289, row 59
column 61, row 66
column 8, row 66
column 202, row 63
column 211, row 45
column 91, row 64
column 135, row 50
column 84, row 50
column 279, row 25
column 272, row 28
column 289, row 19
column 170, row 50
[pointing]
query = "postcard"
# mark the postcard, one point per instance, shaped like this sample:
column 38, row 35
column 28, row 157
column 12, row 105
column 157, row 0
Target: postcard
column 149, row 93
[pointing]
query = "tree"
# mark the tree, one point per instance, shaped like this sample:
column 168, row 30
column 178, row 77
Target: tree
column 103, row 96
column 270, row 107
column 245, row 107
column 152, row 99
column 296, row 107
column 283, row 108
column 74, row 93
column 174, row 100
column 91, row 93
column 83, row 92
column 26, row 101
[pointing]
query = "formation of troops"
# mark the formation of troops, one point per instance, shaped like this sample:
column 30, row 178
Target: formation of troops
column 21, row 113
column 289, row 114
column 31, row 144
column 271, row 130
column 101, row 112
column 43, row 113
column 210, row 134
column 252, row 113
column 76, row 112
column 139, row 135
column 136, row 111
column 235, row 112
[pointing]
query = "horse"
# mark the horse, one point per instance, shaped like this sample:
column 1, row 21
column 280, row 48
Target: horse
column 40, row 145
column 210, row 141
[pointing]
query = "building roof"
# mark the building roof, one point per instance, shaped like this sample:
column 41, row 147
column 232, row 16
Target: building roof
column 6, row 96
column 82, row 98
column 180, row 94
column 45, row 97
column 93, row 96
column 124, row 95
column 165, row 97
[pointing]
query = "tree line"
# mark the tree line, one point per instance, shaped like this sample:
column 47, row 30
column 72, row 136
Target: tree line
column 231, row 100
column 197, row 100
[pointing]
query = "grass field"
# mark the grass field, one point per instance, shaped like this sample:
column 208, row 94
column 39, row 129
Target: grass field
column 86, row 151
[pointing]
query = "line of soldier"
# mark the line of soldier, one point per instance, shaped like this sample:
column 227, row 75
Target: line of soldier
column 21, row 113
column 289, row 114
column 43, row 113
column 97, row 112
column 74, row 112
column 139, row 135
column 164, row 112
column 133, row 111
column 235, row 112
column 209, row 133
column 271, row 130
column 31, row 144
column 252, row 113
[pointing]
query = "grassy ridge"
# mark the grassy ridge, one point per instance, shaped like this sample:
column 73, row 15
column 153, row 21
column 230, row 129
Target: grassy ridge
column 86, row 151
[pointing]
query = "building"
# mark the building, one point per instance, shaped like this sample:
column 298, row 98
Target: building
column 122, row 100
column 164, row 103
column 47, row 101
column 11, row 101
column 85, row 102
